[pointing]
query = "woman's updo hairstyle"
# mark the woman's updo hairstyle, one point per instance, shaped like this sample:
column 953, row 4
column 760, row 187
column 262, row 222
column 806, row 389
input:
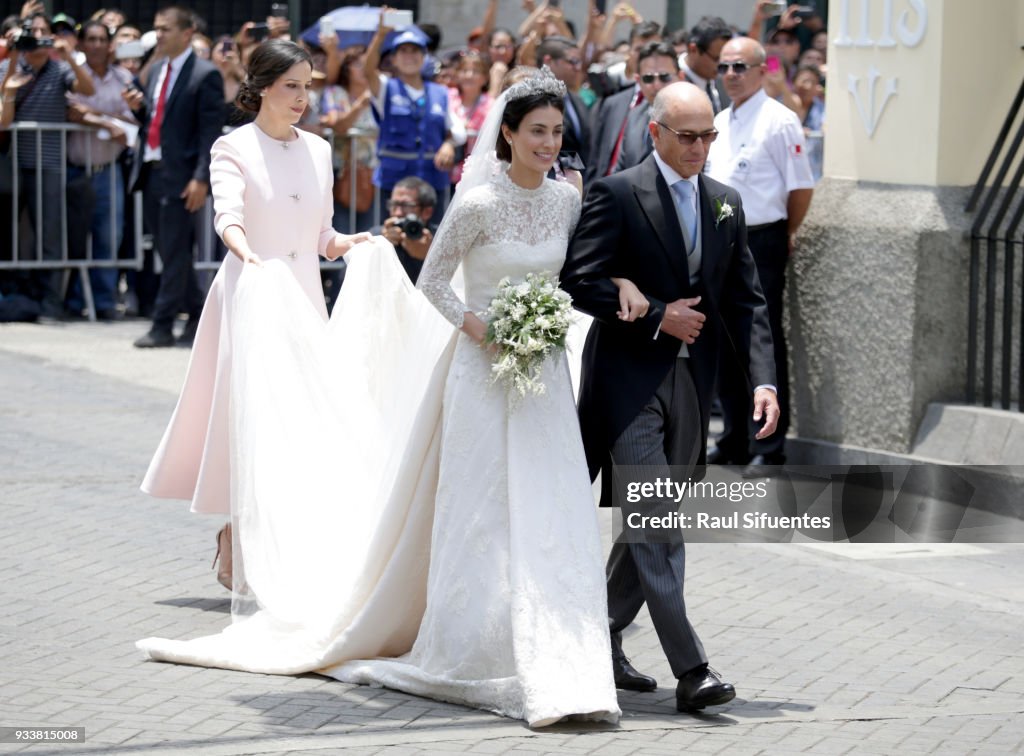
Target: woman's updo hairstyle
column 532, row 89
column 268, row 63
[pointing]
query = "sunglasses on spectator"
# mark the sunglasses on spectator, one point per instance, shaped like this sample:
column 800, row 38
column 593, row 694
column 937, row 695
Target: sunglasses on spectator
column 738, row 67
column 687, row 138
column 574, row 62
column 392, row 205
column 664, row 78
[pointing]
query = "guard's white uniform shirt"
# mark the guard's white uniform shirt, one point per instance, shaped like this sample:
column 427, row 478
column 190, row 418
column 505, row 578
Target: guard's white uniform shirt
column 760, row 151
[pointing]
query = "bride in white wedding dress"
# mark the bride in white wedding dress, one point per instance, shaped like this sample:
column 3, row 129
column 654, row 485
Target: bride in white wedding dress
column 434, row 466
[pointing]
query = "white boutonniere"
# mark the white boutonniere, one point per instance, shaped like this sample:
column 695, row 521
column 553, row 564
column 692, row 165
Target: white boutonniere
column 723, row 210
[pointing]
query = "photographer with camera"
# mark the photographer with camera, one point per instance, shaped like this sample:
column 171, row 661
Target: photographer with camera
column 33, row 89
column 409, row 229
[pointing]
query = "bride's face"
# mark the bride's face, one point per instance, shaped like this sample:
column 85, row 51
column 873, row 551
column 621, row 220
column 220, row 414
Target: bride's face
column 287, row 97
column 535, row 144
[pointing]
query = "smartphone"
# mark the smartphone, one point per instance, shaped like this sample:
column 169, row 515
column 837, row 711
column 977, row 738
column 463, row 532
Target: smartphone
column 398, row 19
column 279, row 10
column 806, row 11
column 226, row 46
column 327, row 25
column 554, row 3
column 130, row 49
column 776, row 8
column 773, row 63
column 259, row 32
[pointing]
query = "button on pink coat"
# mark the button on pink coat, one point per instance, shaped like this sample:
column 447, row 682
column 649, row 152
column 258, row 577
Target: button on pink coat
column 280, row 194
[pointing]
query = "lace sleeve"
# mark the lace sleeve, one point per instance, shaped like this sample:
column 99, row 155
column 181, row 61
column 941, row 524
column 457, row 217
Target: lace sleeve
column 575, row 204
column 457, row 235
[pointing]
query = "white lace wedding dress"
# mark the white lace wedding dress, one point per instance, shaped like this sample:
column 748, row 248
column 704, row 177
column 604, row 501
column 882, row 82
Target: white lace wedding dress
column 390, row 501
column 516, row 615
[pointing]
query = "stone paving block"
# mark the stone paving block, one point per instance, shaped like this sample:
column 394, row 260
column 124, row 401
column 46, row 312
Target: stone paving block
column 803, row 634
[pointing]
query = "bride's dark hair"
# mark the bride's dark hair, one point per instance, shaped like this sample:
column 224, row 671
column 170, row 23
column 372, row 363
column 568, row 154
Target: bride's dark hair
column 268, row 63
column 516, row 110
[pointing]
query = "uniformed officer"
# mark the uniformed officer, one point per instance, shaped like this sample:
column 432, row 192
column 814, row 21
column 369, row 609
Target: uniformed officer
column 760, row 151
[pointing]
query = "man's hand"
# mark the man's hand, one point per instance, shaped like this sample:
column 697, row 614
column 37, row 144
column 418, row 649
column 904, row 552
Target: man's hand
column 194, row 195
column 63, row 49
column 277, row 27
column 444, row 158
column 77, row 112
column 133, row 96
column 766, row 404
column 32, row 6
column 16, row 81
column 682, row 321
column 418, row 248
column 392, row 232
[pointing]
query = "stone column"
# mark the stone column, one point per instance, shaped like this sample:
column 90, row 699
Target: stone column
column 917, row 90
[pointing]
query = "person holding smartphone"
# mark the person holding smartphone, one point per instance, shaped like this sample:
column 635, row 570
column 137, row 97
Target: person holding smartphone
column 225, row 56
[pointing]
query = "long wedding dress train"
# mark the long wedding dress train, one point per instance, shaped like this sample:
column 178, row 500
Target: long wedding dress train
column 343, row 439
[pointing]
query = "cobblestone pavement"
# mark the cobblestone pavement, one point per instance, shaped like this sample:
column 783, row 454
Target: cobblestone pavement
column 832, row 650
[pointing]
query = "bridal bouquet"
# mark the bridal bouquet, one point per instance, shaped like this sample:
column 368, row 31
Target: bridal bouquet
column 527, row 321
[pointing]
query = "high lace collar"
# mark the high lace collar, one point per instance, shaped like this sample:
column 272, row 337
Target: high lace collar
column 506, row 185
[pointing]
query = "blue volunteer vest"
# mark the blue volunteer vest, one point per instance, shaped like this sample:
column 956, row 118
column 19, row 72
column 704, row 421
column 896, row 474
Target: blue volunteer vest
column 411, row 132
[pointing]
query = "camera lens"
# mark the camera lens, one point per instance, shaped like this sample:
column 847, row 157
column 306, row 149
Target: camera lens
column 412, row 227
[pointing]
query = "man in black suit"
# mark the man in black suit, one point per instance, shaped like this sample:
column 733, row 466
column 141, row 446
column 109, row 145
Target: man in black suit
column 182, row 116
column 565, row 60
column 700, row 63
column 609, row 115
column 657, row 67
column 646, row 385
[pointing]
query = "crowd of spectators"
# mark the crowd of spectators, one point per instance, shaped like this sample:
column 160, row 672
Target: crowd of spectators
column 409, row 103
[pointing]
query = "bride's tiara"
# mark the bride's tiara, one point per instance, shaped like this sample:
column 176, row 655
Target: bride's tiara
column 542, row 83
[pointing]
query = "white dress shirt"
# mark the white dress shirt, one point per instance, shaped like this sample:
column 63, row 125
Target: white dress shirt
column 671, row 177
column 176, row 65
column 760, row 151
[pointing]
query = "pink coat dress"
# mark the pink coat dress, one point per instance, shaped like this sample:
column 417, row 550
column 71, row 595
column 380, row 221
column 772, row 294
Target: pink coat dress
column 280, row 194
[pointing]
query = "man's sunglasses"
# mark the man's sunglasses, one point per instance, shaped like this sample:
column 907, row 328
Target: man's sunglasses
column 688, row 138
column 738, row 67
column 664, row 78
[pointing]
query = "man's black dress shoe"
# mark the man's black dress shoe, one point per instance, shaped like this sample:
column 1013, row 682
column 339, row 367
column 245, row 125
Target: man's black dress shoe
column 763, row 466
column 155, row 339
column 188, row 336
column 701, row 687
column 626, row 677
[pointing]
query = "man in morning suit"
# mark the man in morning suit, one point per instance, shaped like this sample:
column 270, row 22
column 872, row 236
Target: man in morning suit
column 646, row 385
column 182, row 116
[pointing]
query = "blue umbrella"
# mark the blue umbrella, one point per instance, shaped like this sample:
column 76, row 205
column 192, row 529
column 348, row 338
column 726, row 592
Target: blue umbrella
column 354, row 25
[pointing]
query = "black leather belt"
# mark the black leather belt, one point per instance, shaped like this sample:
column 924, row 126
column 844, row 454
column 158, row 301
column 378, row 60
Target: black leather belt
column 765, row 226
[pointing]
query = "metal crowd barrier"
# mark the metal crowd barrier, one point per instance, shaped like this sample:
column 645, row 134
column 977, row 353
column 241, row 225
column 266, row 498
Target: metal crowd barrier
column 209, row 250
column 38, row 260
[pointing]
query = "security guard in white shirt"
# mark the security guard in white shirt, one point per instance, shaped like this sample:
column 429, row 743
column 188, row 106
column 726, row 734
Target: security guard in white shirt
column 760, row 151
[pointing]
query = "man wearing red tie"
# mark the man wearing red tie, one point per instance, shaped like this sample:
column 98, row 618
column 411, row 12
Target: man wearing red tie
column 183, row 113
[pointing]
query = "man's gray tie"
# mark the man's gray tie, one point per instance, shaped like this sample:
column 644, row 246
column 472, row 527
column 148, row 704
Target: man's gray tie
column 683, row 191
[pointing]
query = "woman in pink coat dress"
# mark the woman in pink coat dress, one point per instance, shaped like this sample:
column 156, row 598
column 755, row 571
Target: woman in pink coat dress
column 272, row 190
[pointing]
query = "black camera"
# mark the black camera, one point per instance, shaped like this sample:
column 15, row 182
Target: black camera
column 26, row 41
column 412, row 227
